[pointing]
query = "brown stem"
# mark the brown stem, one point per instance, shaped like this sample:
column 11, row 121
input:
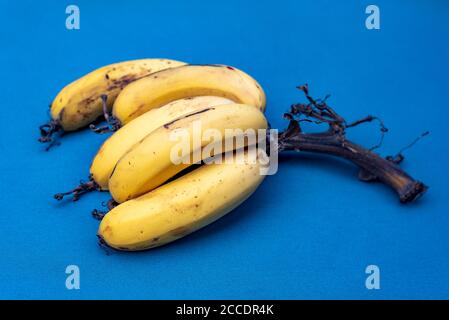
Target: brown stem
column 84, row 187
column 333, row 141
column 47, row 132
column 99, row 214
column 373, row 167
column 113, row 124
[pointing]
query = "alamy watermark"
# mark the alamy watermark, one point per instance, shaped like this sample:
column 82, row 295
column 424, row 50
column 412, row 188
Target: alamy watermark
column 373, row 279
column 372, row 21
column 72, row 282
column 72, row 22
column 214, row 146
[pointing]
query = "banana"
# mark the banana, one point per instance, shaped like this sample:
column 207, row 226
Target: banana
column 121, row 141
column 150, row 163
column 165, row 86
column 80, row 103
column 181, row 206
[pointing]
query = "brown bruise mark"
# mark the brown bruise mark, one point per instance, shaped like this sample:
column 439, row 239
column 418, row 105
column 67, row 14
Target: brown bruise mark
column 137, row 111
column 113, row 170
column 167, row 125
column 61, row 114
column 121, row 82
column 84, row 111
column 179, row 232
column 88, row 100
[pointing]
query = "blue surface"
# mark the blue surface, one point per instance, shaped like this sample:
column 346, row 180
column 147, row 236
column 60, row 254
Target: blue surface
column 310, row 230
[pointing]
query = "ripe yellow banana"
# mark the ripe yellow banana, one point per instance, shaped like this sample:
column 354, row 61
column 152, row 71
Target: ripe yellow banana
column 181, row 206
column 127, row 136
column 187, row 81
column 150, row 163
column 80, row 103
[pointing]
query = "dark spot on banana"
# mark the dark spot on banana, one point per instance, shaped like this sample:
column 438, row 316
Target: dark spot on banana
column 179, row 232
column 106, row 76
column 155, row 239
column 61, row 114
column 124, row 81
column 137, row 111
column 87, row 101
column 121, row 82
column 167, row 125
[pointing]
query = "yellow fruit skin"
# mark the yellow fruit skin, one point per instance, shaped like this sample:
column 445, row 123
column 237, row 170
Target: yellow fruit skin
column 187, row 81
column 148, row 164
column 121, row 141
column 79, row 103
column 180, row 207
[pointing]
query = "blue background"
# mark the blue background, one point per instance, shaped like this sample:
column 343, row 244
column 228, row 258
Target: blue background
column 310, row 230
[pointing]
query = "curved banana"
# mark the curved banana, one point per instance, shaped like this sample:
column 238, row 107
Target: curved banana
column 80, row 103
column 150, row 163
column 187, row 81
column 181, row 206
column 121, row 141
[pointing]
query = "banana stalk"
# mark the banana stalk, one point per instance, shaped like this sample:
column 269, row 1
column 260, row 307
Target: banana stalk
column 334, row 142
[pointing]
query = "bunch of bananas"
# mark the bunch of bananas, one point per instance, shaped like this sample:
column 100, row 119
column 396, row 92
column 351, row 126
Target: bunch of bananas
column 159, row 194
column 146, row 102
